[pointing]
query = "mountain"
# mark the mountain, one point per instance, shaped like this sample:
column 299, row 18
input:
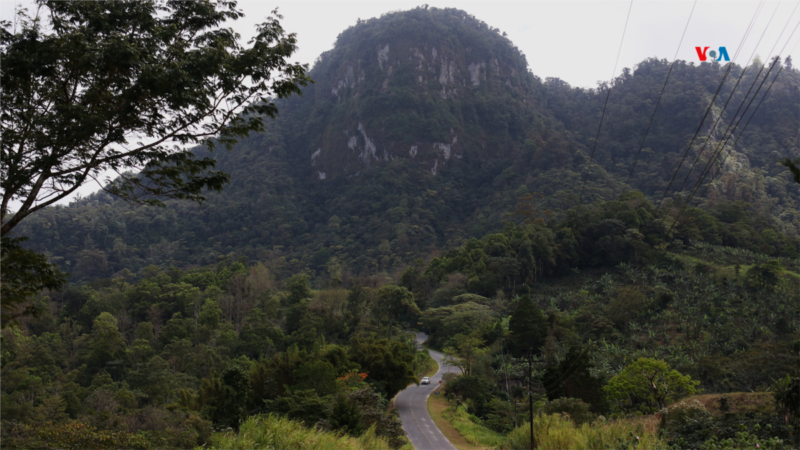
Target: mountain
column 424, row 129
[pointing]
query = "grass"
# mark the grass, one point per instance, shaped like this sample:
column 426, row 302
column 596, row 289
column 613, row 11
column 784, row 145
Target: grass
column 474, row 433
column 552, row 432
column 556, row 432
column 278, row 433
column 437, row 405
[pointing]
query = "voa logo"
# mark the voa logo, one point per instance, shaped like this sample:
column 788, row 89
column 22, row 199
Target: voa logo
column 723, row 54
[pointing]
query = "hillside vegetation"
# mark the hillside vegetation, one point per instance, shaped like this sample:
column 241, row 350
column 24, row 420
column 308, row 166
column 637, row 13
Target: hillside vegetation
column 424, row 128
column 429, row 182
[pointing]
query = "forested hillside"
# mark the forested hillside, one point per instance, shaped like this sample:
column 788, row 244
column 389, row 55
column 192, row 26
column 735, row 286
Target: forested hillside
column 168, row 358
column 424, row 128
column 429, row 181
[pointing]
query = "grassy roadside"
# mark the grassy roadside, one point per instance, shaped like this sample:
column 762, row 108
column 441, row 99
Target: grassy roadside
column 438, row 409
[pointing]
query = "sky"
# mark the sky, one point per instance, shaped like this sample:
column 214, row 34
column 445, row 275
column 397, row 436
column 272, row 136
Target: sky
column 576, row 41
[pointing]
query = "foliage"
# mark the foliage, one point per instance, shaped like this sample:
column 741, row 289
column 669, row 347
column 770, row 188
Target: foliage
column 465, row 353
column 470, row 427
column 572, row 378
column 25, row 273
column 181, row 312
column 393, row 301
column 764, row 276
column 648, row 385
column 69, row 436
column 279, row 433
column 474, row 390
column 574, row 409
column 388, row 363
column 223, row 398
column 786, row 392
column 557, row 432
column 528, row 329
column 120, row 60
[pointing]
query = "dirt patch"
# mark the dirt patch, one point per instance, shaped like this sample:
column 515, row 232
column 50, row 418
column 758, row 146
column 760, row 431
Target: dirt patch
column 738, row 402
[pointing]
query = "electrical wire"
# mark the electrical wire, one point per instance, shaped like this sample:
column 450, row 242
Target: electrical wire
column 724, row 159
column 658, row 102
column 730, row 97
column 710, row 105
column 603, row 114
column 571, row 370
column 721, row 145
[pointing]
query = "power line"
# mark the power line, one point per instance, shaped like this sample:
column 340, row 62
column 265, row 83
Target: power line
column 730, row 97
column 721, row 146
column 710, row 105
column 658, row 102
column 762, row 99
column 746, row 124
column 691, row 194
column 602, row 115
column 757, row 106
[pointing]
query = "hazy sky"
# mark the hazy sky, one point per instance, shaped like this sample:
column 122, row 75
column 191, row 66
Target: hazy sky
column 576, row 41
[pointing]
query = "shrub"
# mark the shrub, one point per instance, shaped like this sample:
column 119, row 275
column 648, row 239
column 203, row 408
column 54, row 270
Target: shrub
column 573, row 408
column 279, row 433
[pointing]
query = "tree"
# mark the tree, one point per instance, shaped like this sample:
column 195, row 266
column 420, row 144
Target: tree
column 356, row 299
column 786, row 392
column 477, row 389
column 24, row 274
column 572, row 378
column 764, row 276
column 223, row 398
column 389, row 364
column 466, row 351
column 91, row 87
column 107, row 346
column 83, row 82
column 528, row 328
column 648, row 384
column 391, row 302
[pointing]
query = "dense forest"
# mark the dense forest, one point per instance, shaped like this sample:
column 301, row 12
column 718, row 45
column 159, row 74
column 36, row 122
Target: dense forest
column 167, row 358
column 505, row 138
column 429, row 182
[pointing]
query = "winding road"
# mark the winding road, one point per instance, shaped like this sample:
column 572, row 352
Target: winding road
column 412, row 404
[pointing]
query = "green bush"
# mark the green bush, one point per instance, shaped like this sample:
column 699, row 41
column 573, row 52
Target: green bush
column 557, row 432
column 279, row 433
column 574, row 408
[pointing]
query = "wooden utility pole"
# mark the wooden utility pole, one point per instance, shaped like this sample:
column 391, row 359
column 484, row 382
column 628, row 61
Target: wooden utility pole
column 530, row 360
column 530, row 396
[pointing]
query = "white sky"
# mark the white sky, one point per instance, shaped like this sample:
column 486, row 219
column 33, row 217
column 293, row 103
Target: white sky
column 576, row 41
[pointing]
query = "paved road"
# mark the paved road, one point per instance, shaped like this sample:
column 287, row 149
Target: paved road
column 412, row 403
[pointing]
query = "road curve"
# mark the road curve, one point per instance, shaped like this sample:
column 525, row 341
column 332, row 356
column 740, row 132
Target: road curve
column 412, row 404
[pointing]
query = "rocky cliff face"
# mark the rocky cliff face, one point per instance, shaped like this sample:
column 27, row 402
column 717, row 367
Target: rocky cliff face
column 434, row 86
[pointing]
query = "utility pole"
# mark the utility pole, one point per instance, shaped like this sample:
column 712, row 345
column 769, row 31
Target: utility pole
column 530, row 396
column 530, row 360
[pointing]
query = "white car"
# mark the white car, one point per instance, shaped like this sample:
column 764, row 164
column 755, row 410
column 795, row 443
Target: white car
column 425, row 380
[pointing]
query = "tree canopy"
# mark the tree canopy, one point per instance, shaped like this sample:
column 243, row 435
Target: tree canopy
column 128, row 85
